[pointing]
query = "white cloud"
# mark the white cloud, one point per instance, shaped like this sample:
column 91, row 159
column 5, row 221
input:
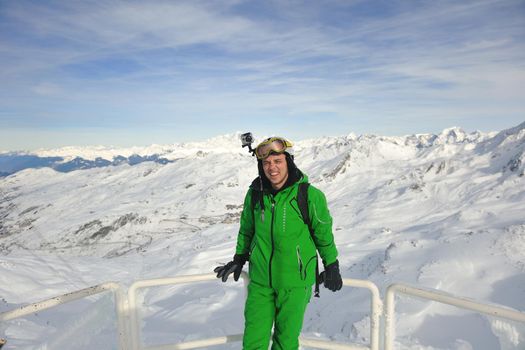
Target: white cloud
column 48, row 89
column 209, row 58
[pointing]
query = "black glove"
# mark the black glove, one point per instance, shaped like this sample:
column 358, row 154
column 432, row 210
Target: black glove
column 234, row 266
column 331, row 277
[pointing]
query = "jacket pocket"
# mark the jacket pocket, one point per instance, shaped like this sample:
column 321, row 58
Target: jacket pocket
column 302, row 270
column 253, row 243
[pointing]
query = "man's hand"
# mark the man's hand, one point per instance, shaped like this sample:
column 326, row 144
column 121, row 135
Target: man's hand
column 234, row 266
column 332, row 277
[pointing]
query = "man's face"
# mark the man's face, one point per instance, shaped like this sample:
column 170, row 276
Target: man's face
column 276, row 170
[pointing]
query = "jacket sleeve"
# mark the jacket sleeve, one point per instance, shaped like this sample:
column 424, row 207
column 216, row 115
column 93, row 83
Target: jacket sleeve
column 246, row 230
column 322, row 225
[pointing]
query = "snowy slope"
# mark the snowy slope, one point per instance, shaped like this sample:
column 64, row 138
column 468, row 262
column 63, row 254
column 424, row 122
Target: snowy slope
column 440, row 211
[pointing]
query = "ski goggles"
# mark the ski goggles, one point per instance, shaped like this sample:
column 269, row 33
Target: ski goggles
column 272, row 145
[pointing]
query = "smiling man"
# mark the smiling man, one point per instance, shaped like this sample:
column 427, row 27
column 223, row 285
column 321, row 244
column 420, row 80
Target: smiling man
column 275, row 168
column 281, row 245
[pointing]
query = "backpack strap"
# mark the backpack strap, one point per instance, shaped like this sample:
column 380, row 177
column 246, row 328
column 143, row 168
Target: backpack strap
column 257, row 196
column 302, row 201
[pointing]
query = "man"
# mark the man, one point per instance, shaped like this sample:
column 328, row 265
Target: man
column 281, row 249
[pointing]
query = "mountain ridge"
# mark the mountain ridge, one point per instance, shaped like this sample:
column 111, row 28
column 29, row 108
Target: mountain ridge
column 72, row 158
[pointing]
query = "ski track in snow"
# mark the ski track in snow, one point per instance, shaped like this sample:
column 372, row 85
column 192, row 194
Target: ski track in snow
column 438, row 211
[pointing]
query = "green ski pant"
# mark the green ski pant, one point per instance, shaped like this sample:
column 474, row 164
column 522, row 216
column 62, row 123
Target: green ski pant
column 282, row 308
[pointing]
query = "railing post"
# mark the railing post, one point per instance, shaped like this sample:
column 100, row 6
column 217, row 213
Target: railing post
column 389, row 318
column 122, row 309
column 376, row 308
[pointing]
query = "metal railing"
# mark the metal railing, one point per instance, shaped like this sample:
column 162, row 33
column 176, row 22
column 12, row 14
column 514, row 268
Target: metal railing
column 442, row 297
column 375, row 314
column 128, row 317
column 76, row 295
column 135, row 338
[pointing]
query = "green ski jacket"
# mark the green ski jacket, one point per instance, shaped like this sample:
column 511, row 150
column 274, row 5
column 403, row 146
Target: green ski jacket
column 282, row 251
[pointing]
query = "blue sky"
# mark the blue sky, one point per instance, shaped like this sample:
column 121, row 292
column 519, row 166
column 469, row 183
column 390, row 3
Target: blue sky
column 141, row 72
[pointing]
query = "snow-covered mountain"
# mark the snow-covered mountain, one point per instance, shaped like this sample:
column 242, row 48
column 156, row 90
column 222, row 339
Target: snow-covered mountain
column 441, row 211
column 68, row 159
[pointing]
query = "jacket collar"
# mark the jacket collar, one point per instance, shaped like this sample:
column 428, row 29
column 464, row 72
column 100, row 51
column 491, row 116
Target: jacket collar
column 262, row 184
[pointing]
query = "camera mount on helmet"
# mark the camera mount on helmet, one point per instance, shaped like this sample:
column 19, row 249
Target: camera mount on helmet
column 247, row 141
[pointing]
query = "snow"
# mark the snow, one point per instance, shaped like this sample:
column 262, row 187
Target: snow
column 437, row 211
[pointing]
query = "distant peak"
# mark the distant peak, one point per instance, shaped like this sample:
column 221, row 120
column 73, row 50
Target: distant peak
column 453, row 135
column 515, row 130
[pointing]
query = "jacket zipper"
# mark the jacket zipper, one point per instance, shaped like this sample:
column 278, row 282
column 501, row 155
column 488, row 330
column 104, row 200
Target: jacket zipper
column 273, row 245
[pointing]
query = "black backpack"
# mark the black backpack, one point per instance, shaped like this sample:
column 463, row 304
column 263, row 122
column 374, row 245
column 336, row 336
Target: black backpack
column 302, row 202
